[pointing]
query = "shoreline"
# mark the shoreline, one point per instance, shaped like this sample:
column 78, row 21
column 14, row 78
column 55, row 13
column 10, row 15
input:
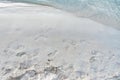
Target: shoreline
column 106, row 20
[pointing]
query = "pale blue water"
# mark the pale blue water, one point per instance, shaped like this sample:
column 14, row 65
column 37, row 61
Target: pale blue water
column 104, row 11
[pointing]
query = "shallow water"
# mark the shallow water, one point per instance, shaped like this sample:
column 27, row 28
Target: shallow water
column 103, row 11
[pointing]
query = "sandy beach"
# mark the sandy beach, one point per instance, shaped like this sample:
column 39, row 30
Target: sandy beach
column 44, row 43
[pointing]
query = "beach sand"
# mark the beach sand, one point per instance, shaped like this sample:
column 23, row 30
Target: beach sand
column 43, row 43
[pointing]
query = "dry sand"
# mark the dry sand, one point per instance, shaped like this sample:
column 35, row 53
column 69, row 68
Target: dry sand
column 43, row 43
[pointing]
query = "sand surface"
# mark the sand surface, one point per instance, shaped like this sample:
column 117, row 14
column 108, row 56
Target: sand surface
column 43, row 43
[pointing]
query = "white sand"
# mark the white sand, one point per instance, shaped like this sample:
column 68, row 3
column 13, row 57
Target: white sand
column 43, row 43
